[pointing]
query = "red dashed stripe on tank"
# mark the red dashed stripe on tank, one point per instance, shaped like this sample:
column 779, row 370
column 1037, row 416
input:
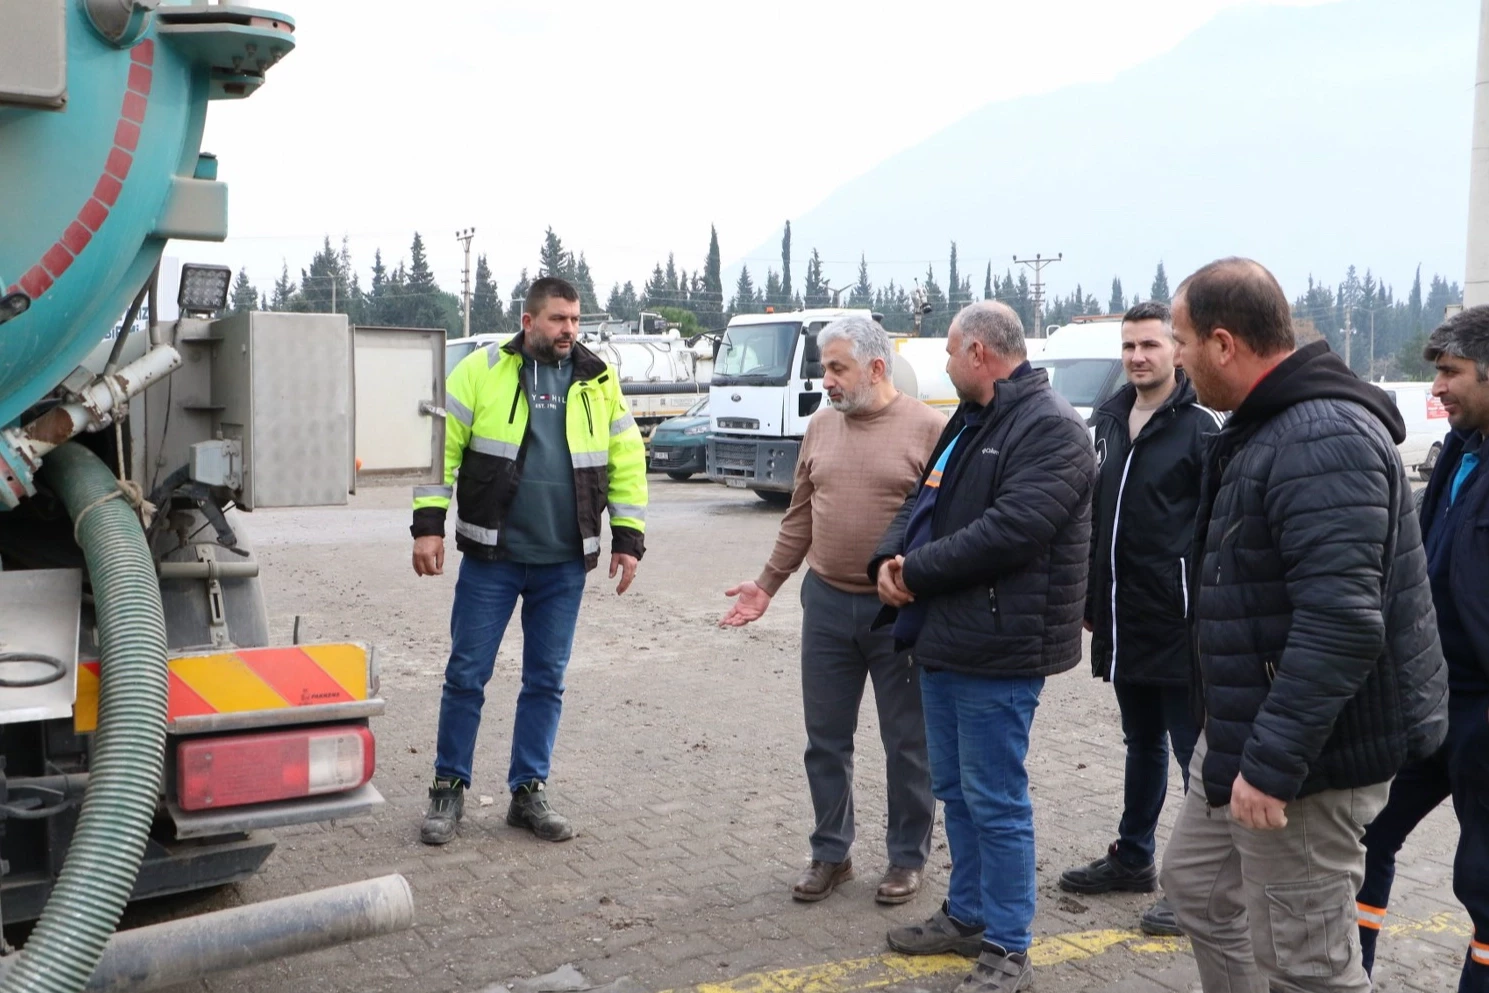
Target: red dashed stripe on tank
column 56, row 260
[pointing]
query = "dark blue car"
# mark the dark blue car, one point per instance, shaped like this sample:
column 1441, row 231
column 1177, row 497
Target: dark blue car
column 679, row 444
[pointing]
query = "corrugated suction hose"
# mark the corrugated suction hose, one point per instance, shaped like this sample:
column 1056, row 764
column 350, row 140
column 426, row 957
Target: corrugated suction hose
column 129, row 746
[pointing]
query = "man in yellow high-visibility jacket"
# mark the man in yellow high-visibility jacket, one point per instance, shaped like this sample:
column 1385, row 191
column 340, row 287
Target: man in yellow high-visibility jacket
column 538, row 442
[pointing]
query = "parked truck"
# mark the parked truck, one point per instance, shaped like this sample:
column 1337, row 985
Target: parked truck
column 767, row 385
column 150, row 729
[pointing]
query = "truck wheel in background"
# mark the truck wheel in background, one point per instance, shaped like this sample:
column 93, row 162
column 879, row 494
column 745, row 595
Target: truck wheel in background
column 774, row 497
column 681, row 477
column 1425, row 469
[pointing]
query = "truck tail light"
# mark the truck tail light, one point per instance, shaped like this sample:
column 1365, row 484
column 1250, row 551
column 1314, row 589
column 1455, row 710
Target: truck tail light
column 282, row 765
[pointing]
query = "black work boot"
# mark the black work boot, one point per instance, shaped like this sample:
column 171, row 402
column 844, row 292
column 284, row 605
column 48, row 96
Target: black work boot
column 942, row 933
column 998, row 971
column 530, row 809
column 446, row 807
column 1109, row 873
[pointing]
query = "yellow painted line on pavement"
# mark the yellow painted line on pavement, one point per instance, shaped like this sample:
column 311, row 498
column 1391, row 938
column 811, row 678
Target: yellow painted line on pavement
column 889, row 969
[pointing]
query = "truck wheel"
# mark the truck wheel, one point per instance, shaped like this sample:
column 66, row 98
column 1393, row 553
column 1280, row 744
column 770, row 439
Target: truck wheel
column 681, row 477
column 1425, row 469
column 774, row 498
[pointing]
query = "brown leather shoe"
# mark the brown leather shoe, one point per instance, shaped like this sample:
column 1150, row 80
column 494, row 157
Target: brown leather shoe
column 899, row 885
column 820, row 879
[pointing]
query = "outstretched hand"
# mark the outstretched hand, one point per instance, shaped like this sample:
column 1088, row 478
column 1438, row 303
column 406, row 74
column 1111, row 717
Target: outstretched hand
column 751, row 605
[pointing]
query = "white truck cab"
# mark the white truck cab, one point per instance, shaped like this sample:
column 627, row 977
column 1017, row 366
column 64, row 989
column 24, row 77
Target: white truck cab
column 767, row 384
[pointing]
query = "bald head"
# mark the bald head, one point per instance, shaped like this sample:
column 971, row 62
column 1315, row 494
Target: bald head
column 1242, row 297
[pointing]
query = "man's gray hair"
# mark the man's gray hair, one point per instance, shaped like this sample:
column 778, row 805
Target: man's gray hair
column 1465, row 335
column 995, row 325
column 867, row 339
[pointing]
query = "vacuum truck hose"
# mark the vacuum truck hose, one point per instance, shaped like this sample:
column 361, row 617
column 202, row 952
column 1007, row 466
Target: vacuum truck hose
column 129, row 746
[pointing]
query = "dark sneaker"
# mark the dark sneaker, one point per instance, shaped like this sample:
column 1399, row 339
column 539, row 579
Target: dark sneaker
column 1109, row 873
column 446, row 807
column 819, row 880
column 530, row 809
column 998, row 971
column 942, row 933
column 1159, row 920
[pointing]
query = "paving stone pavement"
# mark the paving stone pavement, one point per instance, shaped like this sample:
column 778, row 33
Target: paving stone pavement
column 679, row 759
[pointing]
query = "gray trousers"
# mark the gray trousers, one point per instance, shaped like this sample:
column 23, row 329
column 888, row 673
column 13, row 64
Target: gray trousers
column 838, row 652
column 1272, row 910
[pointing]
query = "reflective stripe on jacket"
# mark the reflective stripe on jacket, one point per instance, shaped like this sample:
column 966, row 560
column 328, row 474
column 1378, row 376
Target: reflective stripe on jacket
column 486, row 420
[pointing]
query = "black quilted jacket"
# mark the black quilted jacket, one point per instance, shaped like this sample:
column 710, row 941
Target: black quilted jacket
column 1319, row 665
column 1004, row 576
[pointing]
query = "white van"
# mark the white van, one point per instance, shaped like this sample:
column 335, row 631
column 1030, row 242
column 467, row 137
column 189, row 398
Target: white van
column 1426, row 424
column 1084, row 362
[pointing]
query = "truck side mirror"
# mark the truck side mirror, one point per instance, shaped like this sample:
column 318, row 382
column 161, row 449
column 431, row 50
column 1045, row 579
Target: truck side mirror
column 811, row 357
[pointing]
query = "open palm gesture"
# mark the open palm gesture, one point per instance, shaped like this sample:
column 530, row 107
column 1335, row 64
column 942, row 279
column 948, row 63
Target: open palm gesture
column 751, row 605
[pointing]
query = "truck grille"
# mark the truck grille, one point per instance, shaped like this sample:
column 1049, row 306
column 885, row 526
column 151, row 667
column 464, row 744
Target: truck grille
column 734, row 453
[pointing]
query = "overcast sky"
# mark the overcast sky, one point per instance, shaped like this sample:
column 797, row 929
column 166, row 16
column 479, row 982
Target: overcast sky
column 628, row 127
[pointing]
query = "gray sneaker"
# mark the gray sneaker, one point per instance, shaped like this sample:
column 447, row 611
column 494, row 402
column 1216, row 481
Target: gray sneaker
column 1159, row 920
column 998, row 971
column 530, row 809
column 941, row 934
column 446, row 807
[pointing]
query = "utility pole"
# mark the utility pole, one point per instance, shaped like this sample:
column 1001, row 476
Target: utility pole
column 1370, row 371
column 1349, row 316
column 1037, row 263
column 464, row 237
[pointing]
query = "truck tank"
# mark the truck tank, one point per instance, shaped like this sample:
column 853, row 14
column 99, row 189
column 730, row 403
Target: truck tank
column 102, row 107
column 97, row 172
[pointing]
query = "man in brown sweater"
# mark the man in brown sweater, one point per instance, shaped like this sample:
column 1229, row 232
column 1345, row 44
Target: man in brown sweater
column 858, row 463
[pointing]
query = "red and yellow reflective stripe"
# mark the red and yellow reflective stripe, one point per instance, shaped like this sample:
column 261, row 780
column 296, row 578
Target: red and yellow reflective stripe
column 1479, row 952
column 1371, row 917
column 246, row 680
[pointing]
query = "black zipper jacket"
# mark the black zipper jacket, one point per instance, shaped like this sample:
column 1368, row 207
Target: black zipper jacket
column 1319, row 664
column 1003, row 579
column 1142, row 534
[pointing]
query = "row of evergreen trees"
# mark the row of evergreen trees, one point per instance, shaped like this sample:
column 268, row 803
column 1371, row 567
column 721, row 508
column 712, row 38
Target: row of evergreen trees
column 409, row 296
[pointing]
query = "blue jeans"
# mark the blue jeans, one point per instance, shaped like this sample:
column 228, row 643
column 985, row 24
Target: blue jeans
column 977, row 734
column 485, row 596
column 1153, row 717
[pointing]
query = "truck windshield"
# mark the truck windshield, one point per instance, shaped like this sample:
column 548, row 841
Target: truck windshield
column 1082, row 382
column 756, row 354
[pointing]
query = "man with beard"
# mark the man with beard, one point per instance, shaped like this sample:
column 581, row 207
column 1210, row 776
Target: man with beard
column 1150, row 445
column 986, row 566
column 1319, row 668
column 858, row 460
column 1455, row 524
column 542, row 442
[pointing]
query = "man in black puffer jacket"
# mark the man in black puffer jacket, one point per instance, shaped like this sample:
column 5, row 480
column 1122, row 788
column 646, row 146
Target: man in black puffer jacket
column 987, row 565
column 1320, row 670
column 1150, row 452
